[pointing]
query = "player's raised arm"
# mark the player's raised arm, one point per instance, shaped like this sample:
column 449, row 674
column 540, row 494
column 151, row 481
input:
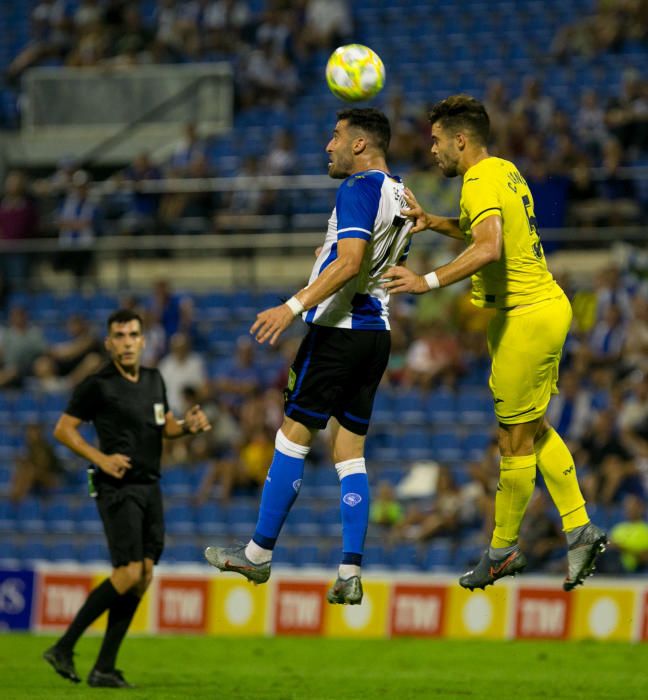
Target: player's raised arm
column 448, row 226
column 485, row 248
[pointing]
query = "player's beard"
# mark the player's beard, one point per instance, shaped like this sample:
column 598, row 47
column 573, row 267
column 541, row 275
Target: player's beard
column 340, row 167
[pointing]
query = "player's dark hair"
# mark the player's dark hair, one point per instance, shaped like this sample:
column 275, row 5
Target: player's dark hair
column 371, row 120
column 124, row 316
column 462, row 112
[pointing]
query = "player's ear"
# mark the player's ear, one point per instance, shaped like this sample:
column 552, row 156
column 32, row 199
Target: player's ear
column 460, row 140
column 359, row 145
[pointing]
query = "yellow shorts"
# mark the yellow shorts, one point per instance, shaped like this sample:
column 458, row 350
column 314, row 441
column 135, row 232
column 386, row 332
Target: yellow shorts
column 525, row 345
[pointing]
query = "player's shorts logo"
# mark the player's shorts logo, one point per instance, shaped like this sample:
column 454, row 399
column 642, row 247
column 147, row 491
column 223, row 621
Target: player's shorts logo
column 297, row 485
column 352, row 499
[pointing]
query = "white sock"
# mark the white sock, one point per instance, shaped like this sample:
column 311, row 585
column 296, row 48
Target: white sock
column 346, row 571
column 256, row 554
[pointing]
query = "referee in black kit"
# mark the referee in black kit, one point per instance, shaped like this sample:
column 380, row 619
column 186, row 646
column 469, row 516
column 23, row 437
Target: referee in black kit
column 128, row 406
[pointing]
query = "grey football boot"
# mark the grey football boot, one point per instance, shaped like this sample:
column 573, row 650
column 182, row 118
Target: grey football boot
column 582, row 555
column 345, row 591
column 234, row 559
column 488, row 570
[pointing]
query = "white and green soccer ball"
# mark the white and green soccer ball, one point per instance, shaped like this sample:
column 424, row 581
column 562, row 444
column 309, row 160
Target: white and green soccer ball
column 354, row 72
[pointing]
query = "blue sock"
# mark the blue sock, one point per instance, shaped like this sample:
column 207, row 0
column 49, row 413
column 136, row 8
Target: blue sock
column 354, row 506
column 280, row 489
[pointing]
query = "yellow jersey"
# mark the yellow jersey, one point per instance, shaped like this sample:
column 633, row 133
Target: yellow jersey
column 520, row 276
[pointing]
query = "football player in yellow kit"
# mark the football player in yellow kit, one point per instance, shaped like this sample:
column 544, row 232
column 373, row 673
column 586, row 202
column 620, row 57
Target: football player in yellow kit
column 506, row 263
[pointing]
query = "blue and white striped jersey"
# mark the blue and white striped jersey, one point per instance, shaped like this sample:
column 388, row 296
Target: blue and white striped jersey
column 368, row 206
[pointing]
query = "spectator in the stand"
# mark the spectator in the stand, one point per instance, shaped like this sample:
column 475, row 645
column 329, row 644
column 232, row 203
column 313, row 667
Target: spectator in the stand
column 386, row 510
column 225, row 21
column 238, row 377
column 433, row 357
column 281, row 159
column 610, row 468
column 608, row 338
column 190, row 148
column 131, row 39
column 627, row 116
column 79, row 223
column 38, row 470
column 635, row 349
column 633, row 417
column 20, row 344
column 75, row 358
column 584, row 203
column 50, row 36
column 589, row 123
column 173, row 311
column 141, row 206
column 629, row 540
column 268, row 79
column 182, row 368
column 535, row 103
column 244, row 470
column 327, row 24
column 570, row 410
column 18, row 223
column 618, row 190
column 540, row 534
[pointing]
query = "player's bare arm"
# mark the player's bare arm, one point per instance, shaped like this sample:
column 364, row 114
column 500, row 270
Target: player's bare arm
column 67, row 433
column 271, row 323
column 447, row 226
column 194, row 422
column 485, row 248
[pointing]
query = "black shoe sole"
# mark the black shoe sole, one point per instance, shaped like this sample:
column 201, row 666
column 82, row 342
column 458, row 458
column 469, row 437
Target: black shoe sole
column 597, row 549
column 62, row 672
column 491, row 583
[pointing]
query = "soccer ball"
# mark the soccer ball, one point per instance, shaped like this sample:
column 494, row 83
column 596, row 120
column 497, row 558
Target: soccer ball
column 355, row 72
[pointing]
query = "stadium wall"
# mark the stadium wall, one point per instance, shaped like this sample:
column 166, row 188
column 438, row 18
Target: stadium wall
column 186, row 600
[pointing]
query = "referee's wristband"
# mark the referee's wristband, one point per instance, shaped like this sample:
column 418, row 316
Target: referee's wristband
column 432, row 280
column 295, row 306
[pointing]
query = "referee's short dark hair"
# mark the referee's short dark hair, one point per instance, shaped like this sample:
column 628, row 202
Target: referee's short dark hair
column 371, row 120
column 462, row 112
column 124, row 316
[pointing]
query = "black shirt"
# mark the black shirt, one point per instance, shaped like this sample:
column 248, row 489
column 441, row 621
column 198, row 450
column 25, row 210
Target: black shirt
column 129, row 418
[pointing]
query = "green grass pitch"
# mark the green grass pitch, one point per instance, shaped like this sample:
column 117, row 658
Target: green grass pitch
column 328, row 669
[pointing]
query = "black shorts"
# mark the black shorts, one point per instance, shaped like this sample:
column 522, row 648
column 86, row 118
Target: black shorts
column 133, row 519
column 336, row 373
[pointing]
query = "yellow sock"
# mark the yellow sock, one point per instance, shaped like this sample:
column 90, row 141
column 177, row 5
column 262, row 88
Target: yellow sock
column 557, row 467
column 514, row 490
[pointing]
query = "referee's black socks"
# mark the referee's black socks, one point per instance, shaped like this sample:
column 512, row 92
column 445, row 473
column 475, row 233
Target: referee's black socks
column 99, row 600
column 119, row 618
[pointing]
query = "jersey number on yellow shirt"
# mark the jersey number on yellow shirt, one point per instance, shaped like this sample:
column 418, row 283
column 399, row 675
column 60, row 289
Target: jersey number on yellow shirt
column 536, row 246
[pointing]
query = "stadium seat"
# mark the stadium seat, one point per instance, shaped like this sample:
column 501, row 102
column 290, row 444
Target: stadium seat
column 212, row 519
column 437, row 556
column 87, row 517
column 179, row 520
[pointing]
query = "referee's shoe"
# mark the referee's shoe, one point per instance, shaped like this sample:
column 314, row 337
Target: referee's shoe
column 108, row 679
column 62, row 662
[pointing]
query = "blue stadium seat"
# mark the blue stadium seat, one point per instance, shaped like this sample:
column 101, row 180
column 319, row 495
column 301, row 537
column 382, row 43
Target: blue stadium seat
column 179, row 520
column 404, row 557
column 95, row 551
column 446, row 447
column 302, row 521
column 59, row 517
column 62, row 551
column 33, row 550
column 331, row 522
column 475, row 443
column 241, row 519
column 437, row 556
column 375, row 557
column 87, row 517
column 308, row 555
column 29, row 515
column 212, row 519
column 177, row 481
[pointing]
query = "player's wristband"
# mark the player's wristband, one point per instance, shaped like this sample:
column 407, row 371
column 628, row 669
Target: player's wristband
column 295, row 306
column 432, row 280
